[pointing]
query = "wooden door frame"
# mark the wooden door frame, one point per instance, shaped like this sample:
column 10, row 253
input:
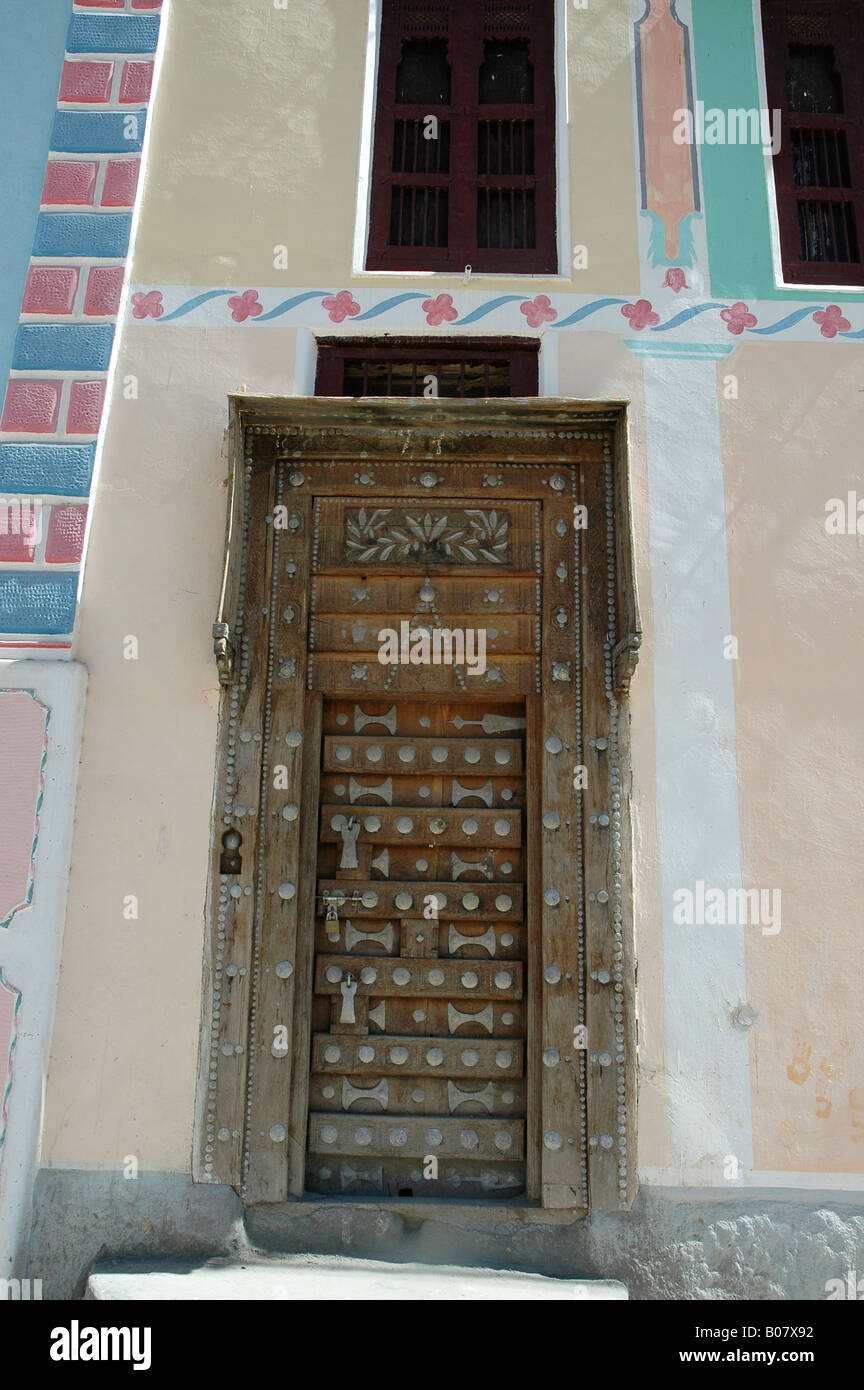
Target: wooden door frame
column 252, row 1093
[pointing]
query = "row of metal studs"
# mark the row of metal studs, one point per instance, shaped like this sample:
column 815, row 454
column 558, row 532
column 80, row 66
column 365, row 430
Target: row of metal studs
column 261, row 849
column 410, row 430
column 615, row 801
column 580, row 821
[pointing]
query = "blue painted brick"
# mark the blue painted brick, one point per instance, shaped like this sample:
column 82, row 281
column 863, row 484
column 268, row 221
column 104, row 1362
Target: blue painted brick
column 112, row 33
column 63, row 347
column 38, row 603
column 53, row 470
column 98, row 132
column 82, row 234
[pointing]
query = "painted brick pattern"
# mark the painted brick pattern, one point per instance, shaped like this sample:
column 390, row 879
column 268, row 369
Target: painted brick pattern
column 54, row 400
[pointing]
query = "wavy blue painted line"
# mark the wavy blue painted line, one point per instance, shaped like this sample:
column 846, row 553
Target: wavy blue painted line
column 291, row 304
column 685, row 316
column 586, row 309
column 485, row 309
column 193, row 304
column 789, row 321
column 388, row 304
column 859, row 334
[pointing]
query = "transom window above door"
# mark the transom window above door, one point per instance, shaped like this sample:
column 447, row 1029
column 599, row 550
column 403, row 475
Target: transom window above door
column 464, row 165
column 463, row 367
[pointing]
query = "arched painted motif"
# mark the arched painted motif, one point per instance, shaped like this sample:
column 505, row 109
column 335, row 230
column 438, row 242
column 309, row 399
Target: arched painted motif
column 669, row 170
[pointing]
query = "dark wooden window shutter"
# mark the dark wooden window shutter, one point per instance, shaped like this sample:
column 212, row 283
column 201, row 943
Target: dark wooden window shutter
column 814, row 62
column 482, row 192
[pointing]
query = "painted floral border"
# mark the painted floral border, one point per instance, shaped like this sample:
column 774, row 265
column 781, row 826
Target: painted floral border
column 723, row 321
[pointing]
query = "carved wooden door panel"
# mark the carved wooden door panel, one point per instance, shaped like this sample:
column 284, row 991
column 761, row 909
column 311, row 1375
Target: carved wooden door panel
column 418, row 1081
column 420, row 983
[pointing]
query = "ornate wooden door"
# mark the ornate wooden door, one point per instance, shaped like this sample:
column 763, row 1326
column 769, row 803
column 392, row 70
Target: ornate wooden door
column 427, row 917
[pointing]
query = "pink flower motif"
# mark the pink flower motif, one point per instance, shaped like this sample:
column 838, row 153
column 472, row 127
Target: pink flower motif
column 245, row 306
column 439, row 310
column 640, row 314
column 539, row 311
column 147, row 306
column 738, row 318
column 831, row 321
column 341, row 306
column 675, row 280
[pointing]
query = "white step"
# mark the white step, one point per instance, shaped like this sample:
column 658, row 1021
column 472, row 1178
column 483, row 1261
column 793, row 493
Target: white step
column 335, row 1279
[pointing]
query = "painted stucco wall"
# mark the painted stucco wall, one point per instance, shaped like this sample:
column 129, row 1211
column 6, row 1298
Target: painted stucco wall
column 795, row 591
column 41, row 716
column 269, row 103
column 743, row 769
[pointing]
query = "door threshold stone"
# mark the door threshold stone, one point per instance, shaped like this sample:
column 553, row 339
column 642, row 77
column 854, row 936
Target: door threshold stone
column 303, row 1278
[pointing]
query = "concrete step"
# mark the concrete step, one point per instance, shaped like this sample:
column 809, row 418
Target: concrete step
column 332, row 1279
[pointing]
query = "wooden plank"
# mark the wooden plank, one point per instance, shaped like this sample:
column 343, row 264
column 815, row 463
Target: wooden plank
column 451, row 793
column 474, row 863
column 503, row 597
column 283, row 733
column 601, row 1052
column 532, row 878
column 305, row 948
column 419, row 716
column 470, row 862
column 430, row 977
column 503, row 902
column 431, row 1056
column 467, row 941
column 462, row 756
column 562, row 1160
column 400, row 1095
column 342, row 674
column 429, row 826
column 365, row 635
column 334, row 474
column 476, row 448
column 374, row 1176
column 471, row 1137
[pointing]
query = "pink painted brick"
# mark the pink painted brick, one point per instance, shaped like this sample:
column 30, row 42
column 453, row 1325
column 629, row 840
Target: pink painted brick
column 146, row 4
column 86, row 81
column 31, row 406
column 121, row 181
column 104, row 287
column 65, row 535
column 14, row 544
column 69, row 181
column 136, row 81
column 98, row 4
column 50, row 289
column 85, row 407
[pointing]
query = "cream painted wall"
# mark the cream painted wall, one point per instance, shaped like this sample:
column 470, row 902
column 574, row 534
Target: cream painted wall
column 595, row 366
column 255, row 142
column 792, row 441
column 122, row 1073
